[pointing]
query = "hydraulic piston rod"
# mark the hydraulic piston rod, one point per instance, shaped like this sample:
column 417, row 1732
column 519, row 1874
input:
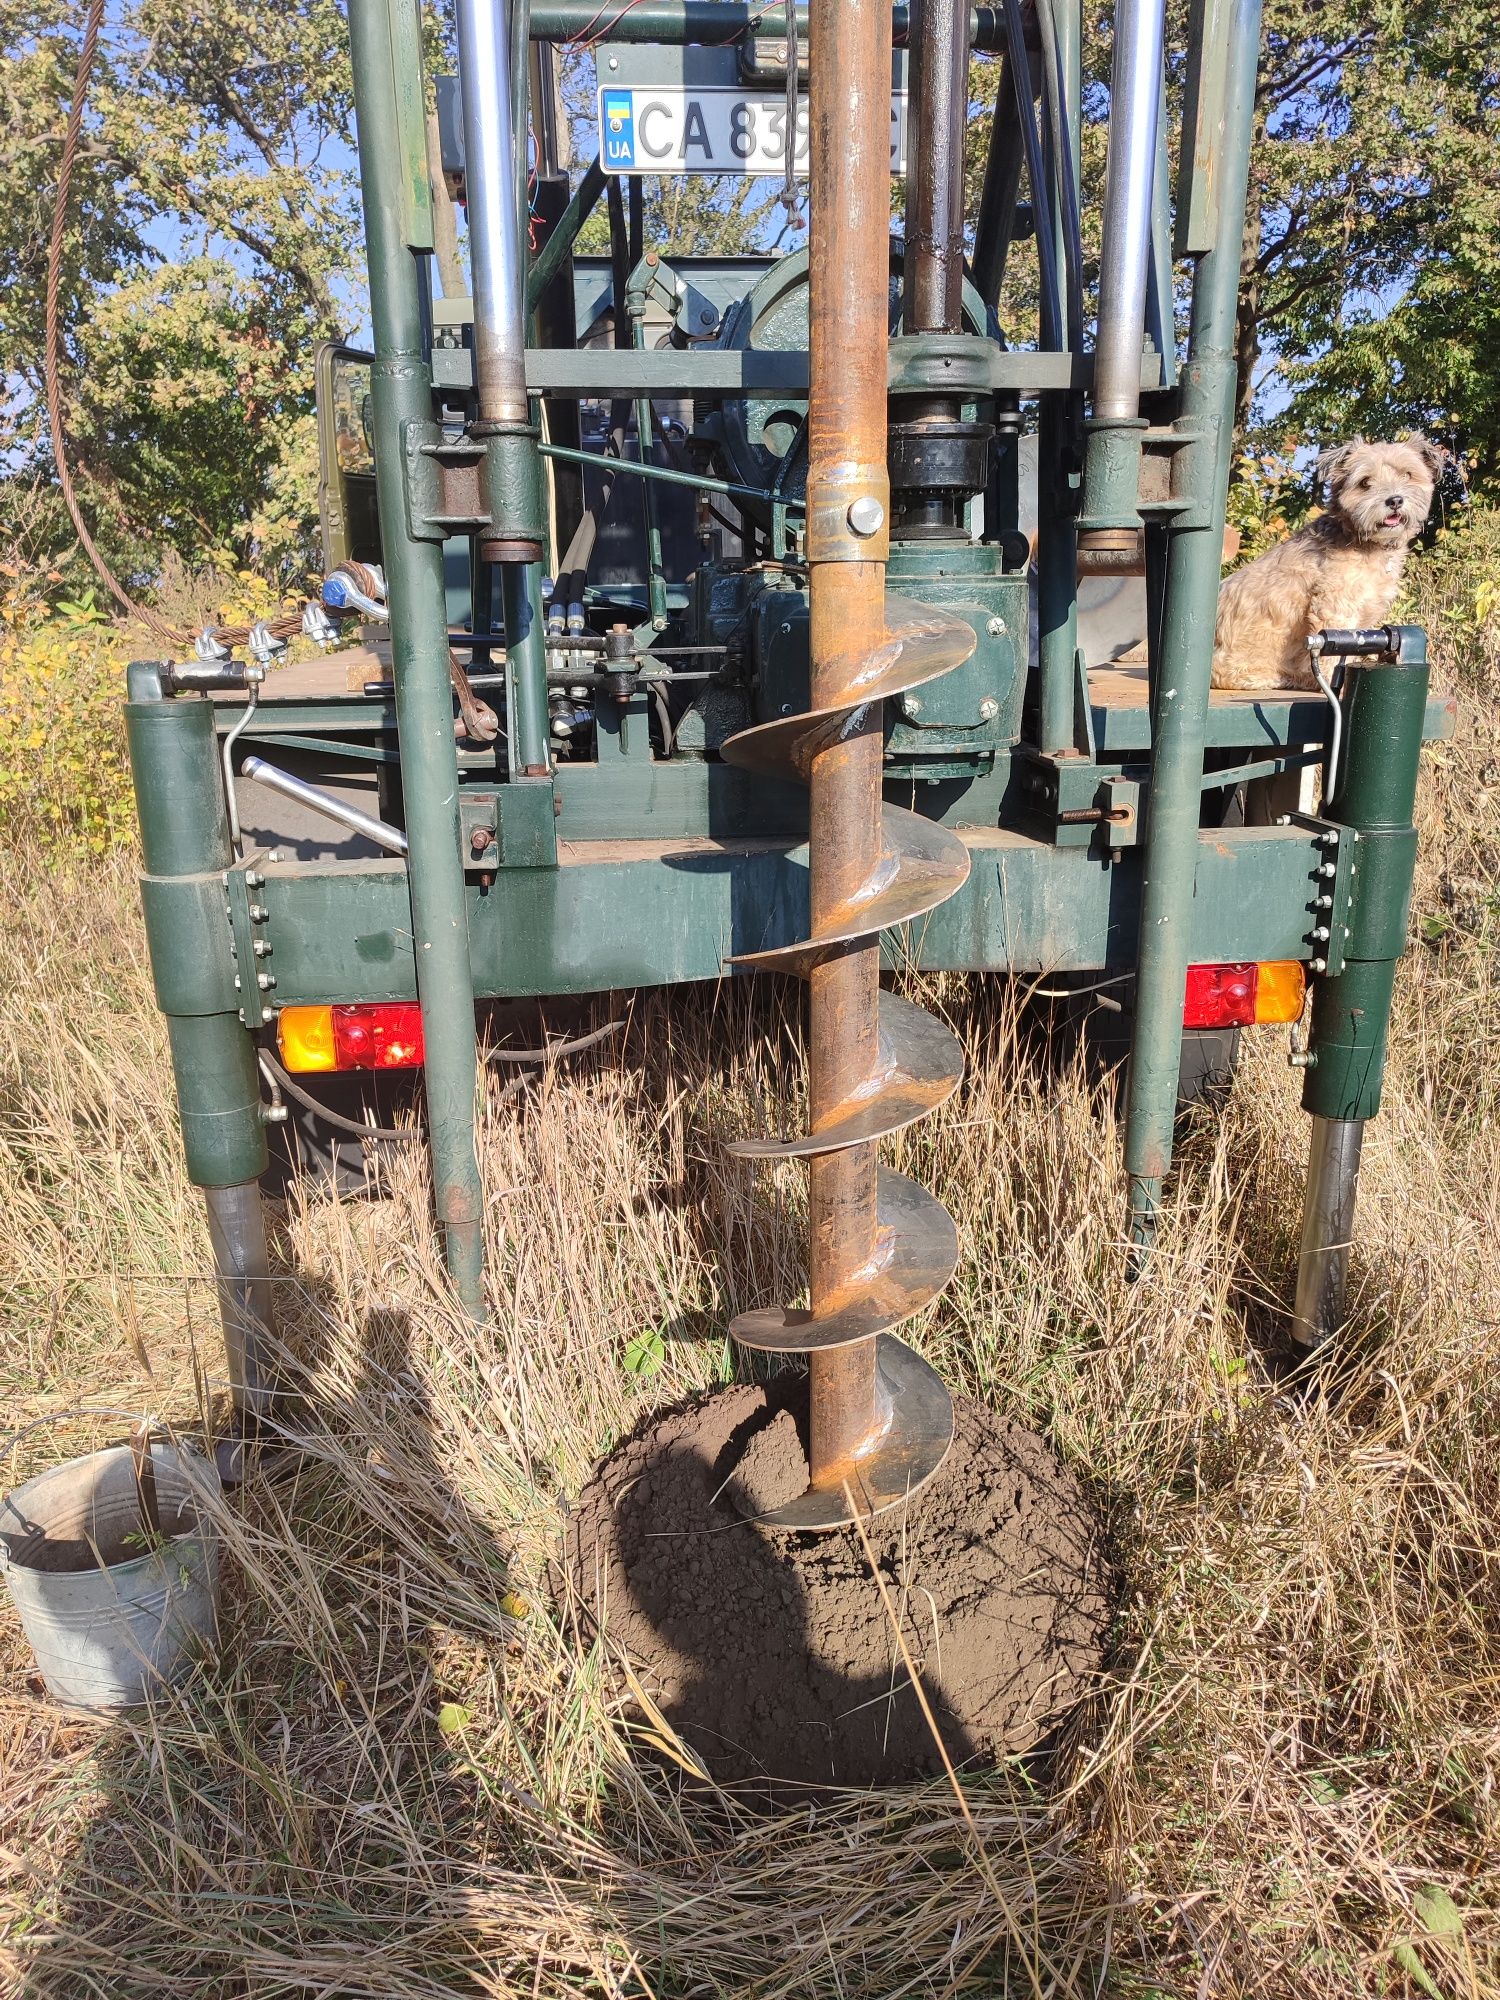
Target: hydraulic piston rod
column 1125, row 254
column 494, row 248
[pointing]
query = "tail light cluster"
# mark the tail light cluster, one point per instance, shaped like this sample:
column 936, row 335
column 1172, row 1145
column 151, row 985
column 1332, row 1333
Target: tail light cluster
column 386, row 1036
column 1245, row 995
column 389, row 1035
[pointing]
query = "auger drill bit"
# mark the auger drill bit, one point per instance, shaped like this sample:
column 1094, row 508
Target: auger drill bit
column 880, row 1247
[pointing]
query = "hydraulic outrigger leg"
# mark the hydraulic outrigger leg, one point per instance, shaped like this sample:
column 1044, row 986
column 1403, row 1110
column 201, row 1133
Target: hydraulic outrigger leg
column 1373, row 793
column 398, row 226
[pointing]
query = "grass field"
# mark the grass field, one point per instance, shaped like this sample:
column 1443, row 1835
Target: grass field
column 402, row 1777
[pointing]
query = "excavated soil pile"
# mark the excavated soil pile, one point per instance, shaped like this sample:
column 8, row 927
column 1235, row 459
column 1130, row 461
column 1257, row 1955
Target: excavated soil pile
column 772, row 1654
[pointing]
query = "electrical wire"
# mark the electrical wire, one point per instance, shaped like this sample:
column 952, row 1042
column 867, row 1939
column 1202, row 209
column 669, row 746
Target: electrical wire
column 283, row 1081
column 1076, row 992
column 554, row 1051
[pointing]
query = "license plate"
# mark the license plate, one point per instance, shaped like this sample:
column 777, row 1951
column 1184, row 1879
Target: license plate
column 674, row 129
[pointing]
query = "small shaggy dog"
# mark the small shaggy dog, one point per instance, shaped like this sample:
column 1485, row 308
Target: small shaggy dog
column 1341, row 571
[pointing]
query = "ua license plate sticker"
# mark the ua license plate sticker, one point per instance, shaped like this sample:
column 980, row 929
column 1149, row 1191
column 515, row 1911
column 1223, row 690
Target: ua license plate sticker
column 675, row 130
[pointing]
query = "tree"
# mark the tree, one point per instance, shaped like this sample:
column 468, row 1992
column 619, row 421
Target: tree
column 213, row 243
column 1375, row 208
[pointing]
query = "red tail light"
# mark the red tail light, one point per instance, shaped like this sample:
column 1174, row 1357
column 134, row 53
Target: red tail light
column 1243, row 995
column 377, row 1036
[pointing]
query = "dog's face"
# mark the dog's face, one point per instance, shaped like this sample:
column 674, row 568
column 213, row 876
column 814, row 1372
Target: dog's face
column 1381, row 492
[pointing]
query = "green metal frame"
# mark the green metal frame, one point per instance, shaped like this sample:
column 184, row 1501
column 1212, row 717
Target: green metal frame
column 637, row 869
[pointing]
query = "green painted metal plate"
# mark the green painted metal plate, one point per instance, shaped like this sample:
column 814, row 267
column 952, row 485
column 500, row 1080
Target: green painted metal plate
column 648, row 913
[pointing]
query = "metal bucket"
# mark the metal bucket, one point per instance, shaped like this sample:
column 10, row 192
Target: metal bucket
column 112, row 1561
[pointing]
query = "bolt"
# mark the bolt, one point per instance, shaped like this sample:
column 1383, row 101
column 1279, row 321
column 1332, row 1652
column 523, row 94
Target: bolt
column 1284, row 820
column 480, row 839
column 1322, row 934
column 258, row 913
column 989, row 708
column 1328, row 870
column 252, row 880
column 265, row 981
column 910, row 705
column 1320, row 965
column 786, row 628
column 262, row 949
column 866, row 515
column 274, row 855
column 996, row 628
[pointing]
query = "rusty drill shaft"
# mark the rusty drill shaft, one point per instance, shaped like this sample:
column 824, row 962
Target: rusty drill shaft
column 879, row 1420
column 850, row 66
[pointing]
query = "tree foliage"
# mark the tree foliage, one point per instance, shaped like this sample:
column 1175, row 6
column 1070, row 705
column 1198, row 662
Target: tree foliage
column 215, row 240
column 1375, row 203
column 213, row 243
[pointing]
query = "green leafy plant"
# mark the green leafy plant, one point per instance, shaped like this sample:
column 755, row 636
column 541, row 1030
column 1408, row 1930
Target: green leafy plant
column 645, row 1354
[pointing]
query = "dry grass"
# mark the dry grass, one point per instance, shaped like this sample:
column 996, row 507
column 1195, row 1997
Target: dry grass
column 1285, row 1786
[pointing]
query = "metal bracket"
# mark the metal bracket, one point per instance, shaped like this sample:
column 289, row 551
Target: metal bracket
column 443, row 481
column 514, row 826
column 1332, row 892
column 1073, row 801
column 244, row 915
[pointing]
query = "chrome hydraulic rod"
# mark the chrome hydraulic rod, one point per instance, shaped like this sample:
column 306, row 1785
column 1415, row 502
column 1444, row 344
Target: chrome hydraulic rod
column 1327, row 1228
column 498, row 280
column 380, row 831
column 1130, row 177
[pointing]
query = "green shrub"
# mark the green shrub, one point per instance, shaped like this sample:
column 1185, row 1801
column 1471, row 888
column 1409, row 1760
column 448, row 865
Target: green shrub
column 64, row 780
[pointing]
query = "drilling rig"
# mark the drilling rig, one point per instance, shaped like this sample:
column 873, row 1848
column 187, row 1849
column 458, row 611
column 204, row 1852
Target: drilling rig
column 765, row 613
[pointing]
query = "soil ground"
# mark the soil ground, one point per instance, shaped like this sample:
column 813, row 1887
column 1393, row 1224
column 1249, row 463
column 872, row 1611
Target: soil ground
column 771, row 1654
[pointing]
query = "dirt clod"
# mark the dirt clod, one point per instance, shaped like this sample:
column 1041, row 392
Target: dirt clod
column 772, row 1469
column 772, row 1655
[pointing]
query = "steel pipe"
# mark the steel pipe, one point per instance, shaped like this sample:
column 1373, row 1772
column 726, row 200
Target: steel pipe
column 713, row 22
column 1130, row 177
column 1327, row 1228
column 242, row 1278
column 932, row 284
column 1179, row 715
column 496, row 274
column 1057, row 531
column 380, row 831
column 386, row 50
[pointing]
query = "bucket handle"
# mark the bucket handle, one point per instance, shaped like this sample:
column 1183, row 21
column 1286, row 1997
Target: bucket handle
column 61, row 1417
column 140, row 1454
